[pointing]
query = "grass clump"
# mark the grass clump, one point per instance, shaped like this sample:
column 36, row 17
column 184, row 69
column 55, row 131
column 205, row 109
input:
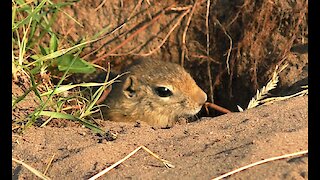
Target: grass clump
column 38, row 56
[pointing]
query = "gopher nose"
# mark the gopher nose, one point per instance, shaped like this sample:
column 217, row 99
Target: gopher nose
column 202, row 98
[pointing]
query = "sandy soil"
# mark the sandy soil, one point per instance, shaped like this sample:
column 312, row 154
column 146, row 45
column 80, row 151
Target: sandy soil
column 200, row 150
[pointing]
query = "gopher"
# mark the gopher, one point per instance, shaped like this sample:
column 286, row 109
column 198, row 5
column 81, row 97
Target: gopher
column 155, row 92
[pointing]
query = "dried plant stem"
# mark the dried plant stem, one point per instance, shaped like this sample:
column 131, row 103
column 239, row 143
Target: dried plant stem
column 230, row 44
column 207, row 27
column 119, row 27
column 256, row 100
column 187, row 9
column 184, row 48
column 135, row 8
column 128, row 39
column 100, row 5
column 132, row 35
column 261, row 162
column 208, row 51
column 205, row 57
column 166, row 163
column 275, row 99
column 114, row 165
column 184, row 8
column 103, row 44
column 168, row 34
column 33, row 170
column 216, row 107
column 130, row 52
column 50, row 161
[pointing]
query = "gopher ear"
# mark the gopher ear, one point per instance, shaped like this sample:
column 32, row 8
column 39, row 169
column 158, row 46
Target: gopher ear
column 130, row 87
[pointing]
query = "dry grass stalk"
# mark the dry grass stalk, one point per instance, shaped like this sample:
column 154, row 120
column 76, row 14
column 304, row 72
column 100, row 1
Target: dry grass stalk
column 165, row 162
column 208, row 51
column 33, row 170
column 135, row 9
column 168, row 34
column 115, row 30
column 203, row 57
column 184, row 48
column 133, row 35
column 178, row 22
column 100, row 5
column 230, row 44
column 261, row 162
column 256, row 100
column 50, row 161
column 275, row 99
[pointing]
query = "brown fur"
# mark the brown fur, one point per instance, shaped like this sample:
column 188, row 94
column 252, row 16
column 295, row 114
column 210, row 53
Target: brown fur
column 135, row 98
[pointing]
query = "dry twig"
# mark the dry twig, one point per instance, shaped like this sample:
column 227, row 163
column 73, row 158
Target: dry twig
column 33, row 170
column 230, row 44
column 216, row 107
column 205, row 57
column 165, row 162
column 208, row 51
column 132, row 35
column 50, row 161
column 184, row 48
column 168, row 34
column 100, row 5
column 261, row 162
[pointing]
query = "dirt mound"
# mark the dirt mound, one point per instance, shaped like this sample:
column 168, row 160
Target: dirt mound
column 204, row 149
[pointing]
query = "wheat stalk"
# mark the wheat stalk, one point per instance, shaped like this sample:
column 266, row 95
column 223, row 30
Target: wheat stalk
column 275, row 99
column 272, row 84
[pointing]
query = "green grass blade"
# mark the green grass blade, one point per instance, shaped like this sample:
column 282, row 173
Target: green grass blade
column 48, row 6
column 59, row 115
column 96, row 97
column 32, row 31
column 32, row 14
column 14, row 13
column 53, row 46
column 45, row 28
column 20, row 98
column 33, row 82
column 33, row 116
column 61, row 52
column 64, row 88
column 67, row 14
column 79, row 66
column 102, row 31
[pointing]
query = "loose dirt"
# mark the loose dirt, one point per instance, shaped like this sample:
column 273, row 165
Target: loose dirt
column 203, row 149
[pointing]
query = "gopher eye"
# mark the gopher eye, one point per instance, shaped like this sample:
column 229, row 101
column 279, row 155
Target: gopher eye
column 163, row 91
